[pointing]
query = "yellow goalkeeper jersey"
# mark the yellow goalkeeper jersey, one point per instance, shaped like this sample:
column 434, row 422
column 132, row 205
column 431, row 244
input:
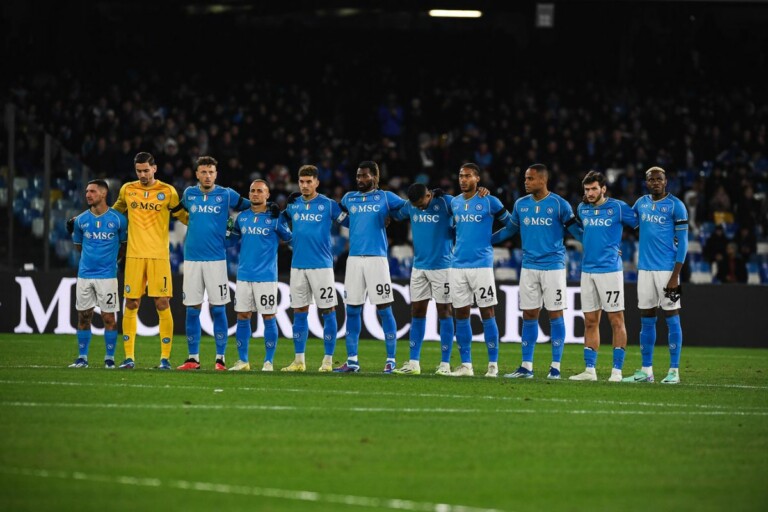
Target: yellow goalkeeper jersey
column 149, row 210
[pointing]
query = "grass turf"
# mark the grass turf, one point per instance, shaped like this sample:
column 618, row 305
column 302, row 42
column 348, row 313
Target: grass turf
column 144, row 439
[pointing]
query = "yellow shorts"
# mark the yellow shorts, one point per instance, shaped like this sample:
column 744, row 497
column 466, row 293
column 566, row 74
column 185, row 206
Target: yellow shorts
column 151, row 275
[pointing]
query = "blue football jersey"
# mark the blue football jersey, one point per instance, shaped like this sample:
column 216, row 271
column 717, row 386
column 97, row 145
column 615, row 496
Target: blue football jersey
column 661, row 222
column 473, row 219
column 259, row 236
column 311, row 223
column 368, row 212
column 542, row 227
column 603, row 227
column 207, row 228
column 432, row 230
column 100, row 237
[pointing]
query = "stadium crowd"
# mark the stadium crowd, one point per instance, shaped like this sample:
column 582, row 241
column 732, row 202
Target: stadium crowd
column 712, row 144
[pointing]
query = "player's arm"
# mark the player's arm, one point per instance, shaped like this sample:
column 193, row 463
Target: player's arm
column 122, row 233
column 178, row 210
column 681, row 235
column 120, row 205
column 629, row 216
column 238, row 202
column 340, row 212
column 570, row 221
column 500, row 214
column 77, row 234
column 283, row 231
column 402, row 213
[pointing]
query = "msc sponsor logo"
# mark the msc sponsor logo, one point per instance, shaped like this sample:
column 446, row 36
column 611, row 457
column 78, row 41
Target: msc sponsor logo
column 591, row 221
column 309, row 217
column 653, row 218
column 141, row 205
column 255, row 231
column 537, row 221
column 420, row 217
column 468, row 217
column 205, row 208
column 97, row 235
column 366, row 208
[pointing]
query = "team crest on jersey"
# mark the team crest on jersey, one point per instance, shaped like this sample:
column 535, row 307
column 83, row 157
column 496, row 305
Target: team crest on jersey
column 610, row 211
column 479, row 207
column 663, row 209
column 268, row 221
column 376, row 197
column 320, row 208
column 436, row 207
column 161, row 196
column 550, row 210
column 127, row 288
column 219, row 199
column 111, row 225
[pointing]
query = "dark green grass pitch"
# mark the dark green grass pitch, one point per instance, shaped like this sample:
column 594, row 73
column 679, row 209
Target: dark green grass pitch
column 97, row 439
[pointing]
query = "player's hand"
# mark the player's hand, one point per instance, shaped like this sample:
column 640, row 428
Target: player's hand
column 71, row 225
column 673, row 294
column 438, row 192
column 230, row 226
column 274, row 209
column 482, row 191
column 293, row 197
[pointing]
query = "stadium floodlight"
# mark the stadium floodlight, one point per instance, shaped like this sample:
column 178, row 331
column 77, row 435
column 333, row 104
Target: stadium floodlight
column 454, row 13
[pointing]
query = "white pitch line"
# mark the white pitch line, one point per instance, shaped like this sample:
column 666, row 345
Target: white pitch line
column 388, row 410
column 378, row 394
column 265, row 492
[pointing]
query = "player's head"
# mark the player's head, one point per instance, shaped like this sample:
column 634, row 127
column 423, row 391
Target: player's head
column 145, row 166
column 308, row 180
column 594, row 187
column 367, row 176
column 536, row 177
column 469, row 177
column 419, row 195
column 206, row 172
column 258, row 193
column 656, row 180
column 96, row 193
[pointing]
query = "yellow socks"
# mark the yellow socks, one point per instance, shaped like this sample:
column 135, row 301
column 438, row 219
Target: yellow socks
column 129, row 332
column 166, row 332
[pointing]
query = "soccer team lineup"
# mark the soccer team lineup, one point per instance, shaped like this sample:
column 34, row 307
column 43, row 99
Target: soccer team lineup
column 453, row 239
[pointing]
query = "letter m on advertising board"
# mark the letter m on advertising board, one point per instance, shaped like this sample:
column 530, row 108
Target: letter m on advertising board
column 30, row 301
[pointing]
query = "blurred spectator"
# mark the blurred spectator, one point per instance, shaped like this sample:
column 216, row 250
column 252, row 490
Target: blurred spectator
column 715, row 248
column 732, row 268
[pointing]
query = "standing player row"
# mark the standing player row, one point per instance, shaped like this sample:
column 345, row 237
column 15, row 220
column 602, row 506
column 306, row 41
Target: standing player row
column 453, row 264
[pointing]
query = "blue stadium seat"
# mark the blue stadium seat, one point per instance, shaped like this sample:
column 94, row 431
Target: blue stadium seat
column 705, row 231
column 731, row 228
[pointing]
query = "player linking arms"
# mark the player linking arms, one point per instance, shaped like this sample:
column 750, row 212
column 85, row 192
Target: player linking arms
column 432, row 226
column 541, row 218
column 367, row 265
column 312, row 216
column 149, row 204
column 99, row 234
column 472, row 278
column 602, row 278
column 205, row 258
column 663, row 246
column 259, row 229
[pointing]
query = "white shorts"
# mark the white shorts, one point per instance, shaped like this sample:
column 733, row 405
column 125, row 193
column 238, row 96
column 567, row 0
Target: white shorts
column 547, row 287
column 200, row 276
column 431, row 284
column 313, row 283
column 602, row 291
column 256, row 296
column 470, row 285
column 650, row 290
column 97, row 292
column 367, row 274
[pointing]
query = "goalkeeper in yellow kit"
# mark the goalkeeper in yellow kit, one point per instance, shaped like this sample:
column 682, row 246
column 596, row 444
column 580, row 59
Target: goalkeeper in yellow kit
column 149, row 204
